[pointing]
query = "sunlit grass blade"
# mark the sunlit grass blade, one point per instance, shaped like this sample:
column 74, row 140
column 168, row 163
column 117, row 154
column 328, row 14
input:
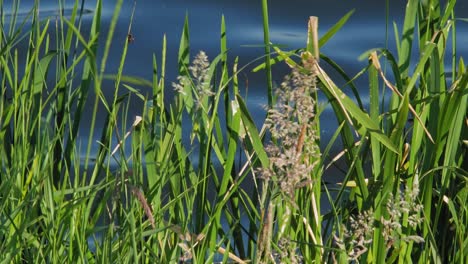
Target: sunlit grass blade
column 252, row 133
column 267, row 43
column 335, row 28
column 406, row 44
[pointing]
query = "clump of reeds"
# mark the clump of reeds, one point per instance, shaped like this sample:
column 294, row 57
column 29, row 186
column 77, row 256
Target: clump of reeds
column 293, row 153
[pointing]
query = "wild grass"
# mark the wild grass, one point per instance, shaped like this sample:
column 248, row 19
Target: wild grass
column 169, row 202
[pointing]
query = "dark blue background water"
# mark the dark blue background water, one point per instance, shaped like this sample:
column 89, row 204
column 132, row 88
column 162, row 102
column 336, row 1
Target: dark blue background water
column 153, row 19
column 366, row 29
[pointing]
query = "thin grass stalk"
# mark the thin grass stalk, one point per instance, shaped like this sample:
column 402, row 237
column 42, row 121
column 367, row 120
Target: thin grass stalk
column 152, row 141
column 62, row 79
column 267, row 43
column 374, row 112
column 232, row 117
column 89, row 70
column 14, row 11
column 316, row 195
column 187, row 103
column 212, row 120
column 110, row 120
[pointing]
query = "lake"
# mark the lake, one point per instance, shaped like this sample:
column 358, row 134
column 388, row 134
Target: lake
column 366, row 29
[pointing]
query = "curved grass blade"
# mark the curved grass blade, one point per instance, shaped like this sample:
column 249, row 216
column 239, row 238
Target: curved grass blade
column 335, row 28
column 252, row 133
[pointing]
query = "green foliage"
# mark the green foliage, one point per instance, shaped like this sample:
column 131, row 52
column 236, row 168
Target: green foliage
column 236, row 192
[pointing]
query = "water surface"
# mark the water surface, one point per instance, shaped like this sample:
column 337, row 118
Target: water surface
column 154, row 19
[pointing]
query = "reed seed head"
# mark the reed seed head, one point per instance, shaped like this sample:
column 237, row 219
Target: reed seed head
column 199, row 79
column 358, row 234
column 292, row 124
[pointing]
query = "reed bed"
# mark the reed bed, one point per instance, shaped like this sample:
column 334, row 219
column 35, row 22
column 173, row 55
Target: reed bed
column 169, row 202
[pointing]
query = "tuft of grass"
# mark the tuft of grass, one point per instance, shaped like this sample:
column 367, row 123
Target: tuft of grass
column 146, row 196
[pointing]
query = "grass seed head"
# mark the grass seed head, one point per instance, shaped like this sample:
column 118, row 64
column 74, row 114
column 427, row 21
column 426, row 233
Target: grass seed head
column 292, row 123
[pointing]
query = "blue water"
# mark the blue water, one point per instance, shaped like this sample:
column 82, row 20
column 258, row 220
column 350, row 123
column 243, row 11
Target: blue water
column 366, row 29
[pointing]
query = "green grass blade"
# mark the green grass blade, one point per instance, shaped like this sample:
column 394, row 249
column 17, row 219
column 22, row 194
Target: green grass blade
column 252, row 133
column 184, row 49
column 267, row 43
column 335, row 28
column 407, row 37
